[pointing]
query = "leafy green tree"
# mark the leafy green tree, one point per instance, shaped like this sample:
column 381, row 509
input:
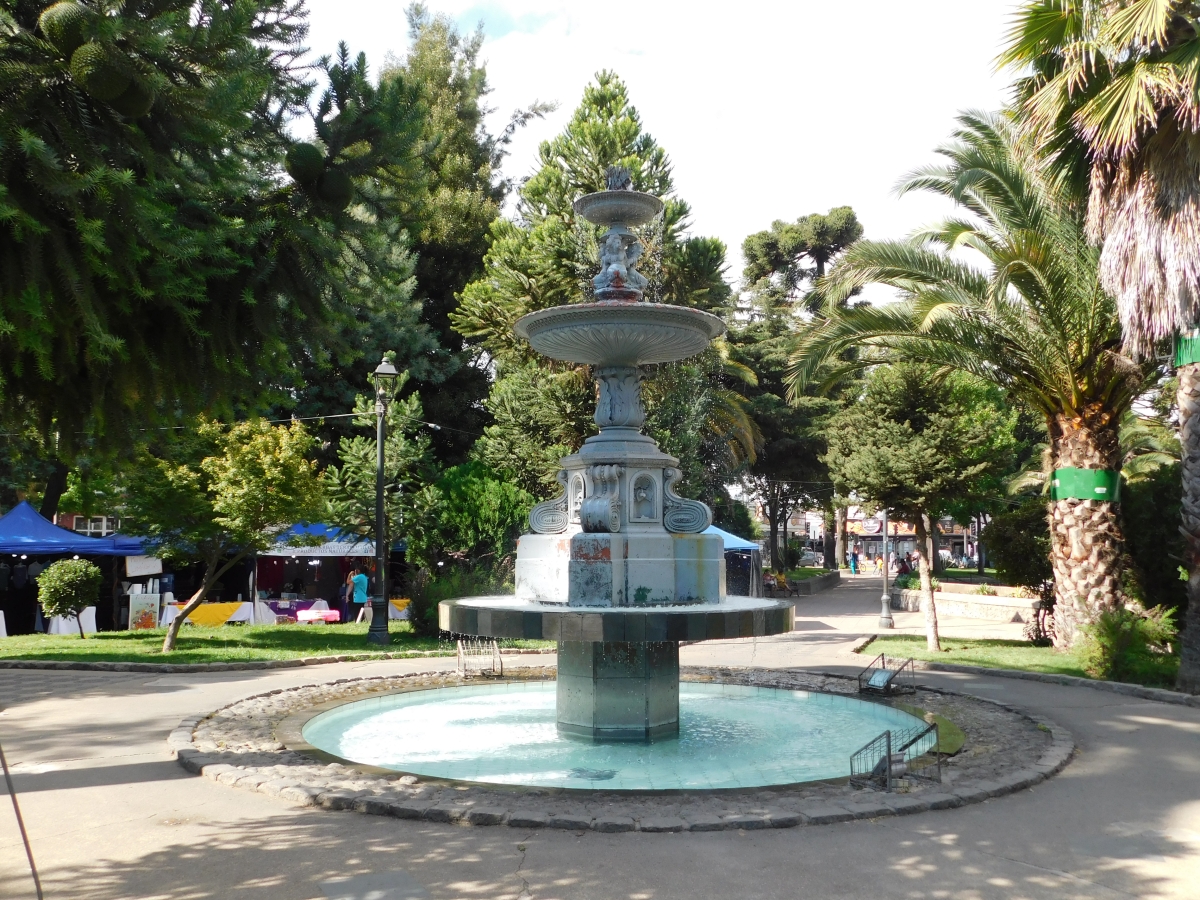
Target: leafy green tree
column 351, row 484
column 1018, row 543
column 68, row 587
column 1111, row 90
column 155, row 258
column 468, row 518
column 214, row 494
column 914, row 443
column 1032, row 319
column 548, row 257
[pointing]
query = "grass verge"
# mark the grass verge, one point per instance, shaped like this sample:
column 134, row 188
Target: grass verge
column 229, row 643
column 994, row 654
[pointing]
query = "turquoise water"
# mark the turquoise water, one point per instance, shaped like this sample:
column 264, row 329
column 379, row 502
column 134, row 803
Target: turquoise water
column 731, row 736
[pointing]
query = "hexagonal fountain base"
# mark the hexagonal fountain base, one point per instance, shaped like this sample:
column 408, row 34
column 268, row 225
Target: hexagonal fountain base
column 618, row 690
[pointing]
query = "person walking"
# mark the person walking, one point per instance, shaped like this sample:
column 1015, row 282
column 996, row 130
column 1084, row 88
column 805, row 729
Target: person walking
column 854, row 561
column 358, row 597
column 878, row 565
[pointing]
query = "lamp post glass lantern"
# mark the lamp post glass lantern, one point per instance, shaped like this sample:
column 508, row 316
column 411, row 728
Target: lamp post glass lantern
column 385, row 376
column 885, row 602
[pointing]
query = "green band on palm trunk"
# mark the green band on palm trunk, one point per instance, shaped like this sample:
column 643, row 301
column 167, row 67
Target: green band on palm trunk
column 1187, row 350
column 1085, row 484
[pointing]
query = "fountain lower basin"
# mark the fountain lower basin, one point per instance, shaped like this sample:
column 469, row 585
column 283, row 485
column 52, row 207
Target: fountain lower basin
column 732, row 736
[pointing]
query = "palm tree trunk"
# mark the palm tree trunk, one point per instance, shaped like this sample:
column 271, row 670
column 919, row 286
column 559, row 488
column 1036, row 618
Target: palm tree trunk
column 1189, row 434
column 928, row 606
column 1086, row 542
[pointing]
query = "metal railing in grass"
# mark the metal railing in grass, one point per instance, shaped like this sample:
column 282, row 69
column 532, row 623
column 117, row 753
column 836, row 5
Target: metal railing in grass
column 888, row 675
column 911, row 752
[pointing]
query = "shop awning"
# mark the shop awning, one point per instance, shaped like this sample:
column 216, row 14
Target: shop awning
column 732, row 541
column 23, row 530
column 333, row 542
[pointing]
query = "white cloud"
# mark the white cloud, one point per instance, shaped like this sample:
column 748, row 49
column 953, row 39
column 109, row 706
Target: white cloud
column 769, row 110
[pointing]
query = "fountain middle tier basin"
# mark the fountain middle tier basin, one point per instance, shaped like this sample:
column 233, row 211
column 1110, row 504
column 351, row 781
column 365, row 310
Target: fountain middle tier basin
column 618, row 333
column 507, row 617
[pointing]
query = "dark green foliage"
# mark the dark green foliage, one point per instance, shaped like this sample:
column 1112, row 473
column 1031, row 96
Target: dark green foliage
column 1124, row 645
column 1018, row 544
column 134, row 102
column 1150, row 520
column 68, row 587
column 156, row 265
column 66, row 25
column 96, row 69
column 305, row 162
column 734, row 516
column 335, row 189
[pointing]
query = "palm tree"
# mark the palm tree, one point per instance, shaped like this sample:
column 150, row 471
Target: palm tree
column 1112, row 89
column 1034, row 321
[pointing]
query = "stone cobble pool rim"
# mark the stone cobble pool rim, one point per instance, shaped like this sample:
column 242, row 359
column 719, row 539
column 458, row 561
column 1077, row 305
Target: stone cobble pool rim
column 525, row 815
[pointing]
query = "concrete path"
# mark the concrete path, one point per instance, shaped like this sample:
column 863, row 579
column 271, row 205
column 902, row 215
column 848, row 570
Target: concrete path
column 113, row 817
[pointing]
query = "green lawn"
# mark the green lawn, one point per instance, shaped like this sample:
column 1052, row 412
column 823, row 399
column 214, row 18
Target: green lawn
column 994, row 654
column 228, row 643
column 950, row 574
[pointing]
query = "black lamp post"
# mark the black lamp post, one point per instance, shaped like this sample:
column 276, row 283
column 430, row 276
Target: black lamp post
column 385, row 375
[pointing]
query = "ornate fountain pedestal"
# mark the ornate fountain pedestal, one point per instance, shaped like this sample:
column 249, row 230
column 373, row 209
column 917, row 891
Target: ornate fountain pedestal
column 617, row 568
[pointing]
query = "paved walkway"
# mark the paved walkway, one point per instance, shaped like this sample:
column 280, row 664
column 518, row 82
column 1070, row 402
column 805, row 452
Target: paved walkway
column 113, row 817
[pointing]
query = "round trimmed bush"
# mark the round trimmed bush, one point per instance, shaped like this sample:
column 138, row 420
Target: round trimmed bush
column 336, row 188
column 305, row 163
column 68, row 587
column 94, row 69
column 65, row 25
column 135, row 101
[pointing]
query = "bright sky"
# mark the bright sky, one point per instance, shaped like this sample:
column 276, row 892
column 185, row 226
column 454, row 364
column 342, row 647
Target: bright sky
column 769, row 110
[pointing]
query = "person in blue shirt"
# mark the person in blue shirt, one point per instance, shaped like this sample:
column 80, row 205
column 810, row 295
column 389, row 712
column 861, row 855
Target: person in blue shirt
column 359, row 602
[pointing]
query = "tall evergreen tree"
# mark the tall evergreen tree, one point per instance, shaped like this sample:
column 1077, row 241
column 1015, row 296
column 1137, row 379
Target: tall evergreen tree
column 542, row 408
column 154, row 257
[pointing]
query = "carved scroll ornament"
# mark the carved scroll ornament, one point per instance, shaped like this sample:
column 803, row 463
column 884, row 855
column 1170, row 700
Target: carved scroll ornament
column 550, row 516
column 602, row 510
column 680, row 515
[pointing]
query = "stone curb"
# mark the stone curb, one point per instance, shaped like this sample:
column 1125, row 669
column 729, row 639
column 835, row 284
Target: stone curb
column 181, row 668
column 1050, row 763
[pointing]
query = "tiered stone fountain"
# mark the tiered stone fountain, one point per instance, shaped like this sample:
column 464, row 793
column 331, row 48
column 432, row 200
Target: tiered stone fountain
column 617, row 568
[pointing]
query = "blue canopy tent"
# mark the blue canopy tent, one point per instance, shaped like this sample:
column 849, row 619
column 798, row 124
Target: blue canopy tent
column 23, row 530
column 743, row 564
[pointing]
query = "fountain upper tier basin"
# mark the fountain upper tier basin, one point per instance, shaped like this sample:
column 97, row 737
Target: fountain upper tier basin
column 508, row 617
column 618, row 207
column 619, row 333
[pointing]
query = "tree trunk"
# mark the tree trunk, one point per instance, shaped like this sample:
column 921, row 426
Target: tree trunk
column 56, row 486
column 829, row 524
column 979, row 545
column 787, row 511
column 1086, row 543
column 773, row 521
column 211, row 575
column 839, row 516
column 79, row 622
column 928, row 606
column 1189, row 435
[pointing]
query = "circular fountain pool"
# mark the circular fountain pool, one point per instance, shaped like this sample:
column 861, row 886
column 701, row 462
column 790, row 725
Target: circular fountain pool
column 731, row 736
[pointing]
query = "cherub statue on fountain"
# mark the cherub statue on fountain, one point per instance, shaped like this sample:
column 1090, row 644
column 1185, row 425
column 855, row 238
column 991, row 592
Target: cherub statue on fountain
column 618, row 279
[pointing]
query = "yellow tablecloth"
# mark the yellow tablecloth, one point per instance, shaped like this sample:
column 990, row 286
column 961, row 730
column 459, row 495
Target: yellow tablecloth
column 213, row 614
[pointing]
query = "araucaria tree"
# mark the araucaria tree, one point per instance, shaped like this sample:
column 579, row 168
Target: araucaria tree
column 1033, row 319
column 914, row 444
column 218, row 493
column 1113, row 94
column 542, row 409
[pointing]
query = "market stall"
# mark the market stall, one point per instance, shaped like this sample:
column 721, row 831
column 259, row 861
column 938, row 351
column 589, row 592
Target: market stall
column 297, row 581
column 29, row 543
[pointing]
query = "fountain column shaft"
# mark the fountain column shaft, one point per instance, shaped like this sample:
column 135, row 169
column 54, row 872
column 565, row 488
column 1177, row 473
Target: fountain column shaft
column 618, row 690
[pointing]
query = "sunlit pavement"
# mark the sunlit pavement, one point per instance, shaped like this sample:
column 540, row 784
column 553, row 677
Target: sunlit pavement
column 112, row 816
